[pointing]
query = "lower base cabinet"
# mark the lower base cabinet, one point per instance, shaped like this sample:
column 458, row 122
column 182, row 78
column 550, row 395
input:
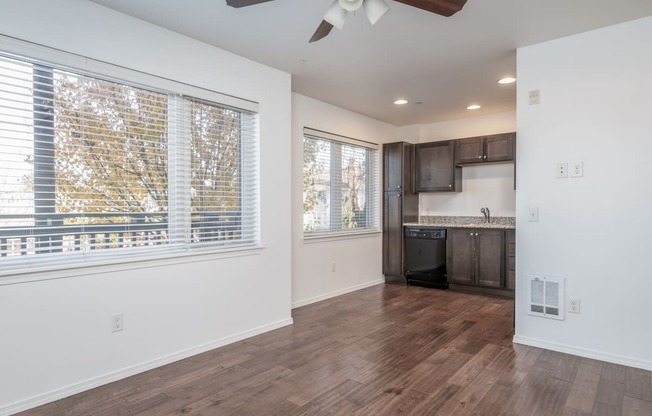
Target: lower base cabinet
column 393, row 234
column 510, row 247
column 476, row 261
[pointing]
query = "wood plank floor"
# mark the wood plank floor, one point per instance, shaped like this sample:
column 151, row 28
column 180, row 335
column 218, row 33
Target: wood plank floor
column 385, row 350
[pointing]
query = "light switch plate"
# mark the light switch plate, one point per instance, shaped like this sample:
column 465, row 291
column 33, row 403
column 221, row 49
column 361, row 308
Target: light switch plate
column 533, row 214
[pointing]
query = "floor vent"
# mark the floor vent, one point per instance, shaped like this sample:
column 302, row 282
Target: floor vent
column 546, row 296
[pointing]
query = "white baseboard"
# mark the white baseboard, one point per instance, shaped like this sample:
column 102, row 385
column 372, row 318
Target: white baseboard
column 583, row 352
column 339, row 292
column 41, row 399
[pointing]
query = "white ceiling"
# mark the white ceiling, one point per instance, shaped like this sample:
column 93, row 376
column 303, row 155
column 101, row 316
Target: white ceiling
column 445, row 63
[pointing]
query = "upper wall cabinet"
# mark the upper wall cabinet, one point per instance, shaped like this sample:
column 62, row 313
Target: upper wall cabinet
column 398, row 167
column 486, row 149
column 435, row 167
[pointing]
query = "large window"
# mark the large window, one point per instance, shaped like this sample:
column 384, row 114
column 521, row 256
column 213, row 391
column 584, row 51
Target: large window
column 340, row 184
column 90, row 164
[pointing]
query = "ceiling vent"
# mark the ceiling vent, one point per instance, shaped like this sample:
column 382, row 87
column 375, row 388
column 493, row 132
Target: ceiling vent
column 546, row 295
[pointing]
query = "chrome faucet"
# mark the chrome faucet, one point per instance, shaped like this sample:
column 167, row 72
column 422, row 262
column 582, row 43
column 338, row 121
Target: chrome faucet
column 485, row 212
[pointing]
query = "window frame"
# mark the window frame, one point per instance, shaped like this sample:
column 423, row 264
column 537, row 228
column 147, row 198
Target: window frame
column 18, row 267
column 372, row 186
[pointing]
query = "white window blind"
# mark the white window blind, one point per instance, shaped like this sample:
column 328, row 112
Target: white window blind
column 91, row 166
column 340, row 184
column 224, row 162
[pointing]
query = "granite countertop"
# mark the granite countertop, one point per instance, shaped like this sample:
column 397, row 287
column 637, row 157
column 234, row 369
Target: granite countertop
column 502, row 223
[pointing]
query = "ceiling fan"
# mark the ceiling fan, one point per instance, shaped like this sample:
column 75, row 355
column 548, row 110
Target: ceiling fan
column 374, row 9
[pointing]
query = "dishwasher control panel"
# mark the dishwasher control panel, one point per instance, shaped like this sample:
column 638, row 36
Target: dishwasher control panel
column 425, row 233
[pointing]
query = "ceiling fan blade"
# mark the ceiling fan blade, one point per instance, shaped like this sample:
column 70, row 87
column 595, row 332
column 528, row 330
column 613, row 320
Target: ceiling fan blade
column 244, row 3
column 322, row 31
column 441, row 7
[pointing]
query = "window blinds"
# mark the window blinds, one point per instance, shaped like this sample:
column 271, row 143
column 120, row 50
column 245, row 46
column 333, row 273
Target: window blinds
column 340, row 178
column 223, row 174
column 89, row 165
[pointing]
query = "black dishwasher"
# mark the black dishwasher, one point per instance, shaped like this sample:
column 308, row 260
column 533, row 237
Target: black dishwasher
column 425, row 257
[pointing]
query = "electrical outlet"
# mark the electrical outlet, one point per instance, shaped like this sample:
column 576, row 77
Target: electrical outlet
column 535, row 97
column 533, row 214
column 562, row 170
column 577, row 169
column 574, row 305
column 117, row 323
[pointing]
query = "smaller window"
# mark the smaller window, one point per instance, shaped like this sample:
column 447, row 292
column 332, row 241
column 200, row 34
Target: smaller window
column 340, row 184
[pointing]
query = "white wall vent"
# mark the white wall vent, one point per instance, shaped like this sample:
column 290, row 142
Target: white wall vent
column 546, row 296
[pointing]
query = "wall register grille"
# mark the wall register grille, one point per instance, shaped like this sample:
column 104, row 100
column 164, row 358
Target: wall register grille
column 546, row 295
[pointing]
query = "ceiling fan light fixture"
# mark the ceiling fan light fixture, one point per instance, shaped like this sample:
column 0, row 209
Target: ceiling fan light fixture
column 336, row 15
column 375, row 9
column 351, row 5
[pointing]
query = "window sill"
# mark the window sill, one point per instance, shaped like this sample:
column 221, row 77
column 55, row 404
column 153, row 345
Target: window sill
column 338, row 236
column 106, row 265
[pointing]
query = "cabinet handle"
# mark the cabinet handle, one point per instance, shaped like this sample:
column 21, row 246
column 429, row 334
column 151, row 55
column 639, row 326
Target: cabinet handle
column 450, row 186
column 476, row 234
column 471, row 234
column 480, row 157
column 485, row 156
column 399, row 187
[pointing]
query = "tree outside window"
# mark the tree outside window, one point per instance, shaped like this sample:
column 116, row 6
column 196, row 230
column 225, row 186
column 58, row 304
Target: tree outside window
column 87, row 164
column 338, row 186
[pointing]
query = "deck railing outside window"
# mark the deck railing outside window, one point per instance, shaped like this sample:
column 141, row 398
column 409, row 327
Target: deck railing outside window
column 89, row 163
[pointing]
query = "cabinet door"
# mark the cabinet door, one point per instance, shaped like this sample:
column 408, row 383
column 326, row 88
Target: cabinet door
column 510, row 245
column 435, row 167
column 499, row 148
column 460, row 256
column 470, row 150
column 393, row 235
column 490, row 257
column 407, row 177
column 393, row 166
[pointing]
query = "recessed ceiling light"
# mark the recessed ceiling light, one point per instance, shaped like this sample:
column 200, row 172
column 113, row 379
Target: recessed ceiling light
column 473, row 107
column 507, row 80
column 400, row 102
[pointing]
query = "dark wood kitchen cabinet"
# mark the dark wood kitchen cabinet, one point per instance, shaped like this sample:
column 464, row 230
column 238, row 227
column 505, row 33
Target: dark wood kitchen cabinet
column 496, row 148
column 510, row 259
column 397, row 167
column 460, row 256
column 435, row 167
column 393, row 234
column 400, row 205
column 489, row 258
column 476, row 261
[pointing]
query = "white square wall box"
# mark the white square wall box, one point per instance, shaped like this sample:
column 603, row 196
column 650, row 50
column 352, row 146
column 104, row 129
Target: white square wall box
column 577, row 169
column 562, row 170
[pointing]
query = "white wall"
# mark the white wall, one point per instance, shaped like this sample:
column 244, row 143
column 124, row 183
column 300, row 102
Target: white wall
column 482, row 186
column 358, row 260
column 469, row 127
column 489, row 186
column 55, row 337
column 595, row 230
